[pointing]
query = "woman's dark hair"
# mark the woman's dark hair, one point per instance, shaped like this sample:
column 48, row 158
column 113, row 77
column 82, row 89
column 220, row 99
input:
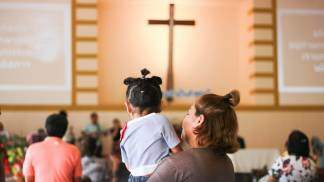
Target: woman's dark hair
column 220, row 127
column 298, row 144
column 144, row 93
column 56, row 125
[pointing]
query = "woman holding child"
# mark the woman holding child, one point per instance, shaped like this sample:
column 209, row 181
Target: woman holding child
column 210, row 128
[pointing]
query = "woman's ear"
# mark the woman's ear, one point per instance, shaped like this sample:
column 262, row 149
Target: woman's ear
column 200, row 120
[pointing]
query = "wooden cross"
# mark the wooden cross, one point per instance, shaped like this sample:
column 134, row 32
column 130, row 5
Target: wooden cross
column 171, row 22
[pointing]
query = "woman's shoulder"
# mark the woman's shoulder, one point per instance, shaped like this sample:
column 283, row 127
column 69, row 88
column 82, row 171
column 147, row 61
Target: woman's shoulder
column 194, row 164
column 194, row 155
column 177, row 160
column 172, row 168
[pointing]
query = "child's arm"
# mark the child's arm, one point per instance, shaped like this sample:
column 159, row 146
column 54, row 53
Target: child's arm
column 176, row 149
column 171, row 137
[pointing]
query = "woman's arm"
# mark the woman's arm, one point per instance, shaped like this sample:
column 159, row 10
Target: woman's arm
column 166, row 171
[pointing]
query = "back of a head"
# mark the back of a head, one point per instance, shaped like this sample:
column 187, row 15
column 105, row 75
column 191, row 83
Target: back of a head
column 220, row 126
column 317, row 145
column 56, row 125
column 93, row 115
column 91, row 146
column 144, row 93
column 41, row 131
column 298, row 144
column 116, row 122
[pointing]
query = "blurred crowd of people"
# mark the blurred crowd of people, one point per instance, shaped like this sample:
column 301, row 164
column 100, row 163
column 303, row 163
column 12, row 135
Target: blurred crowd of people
column 302, row 156
column 97, row 166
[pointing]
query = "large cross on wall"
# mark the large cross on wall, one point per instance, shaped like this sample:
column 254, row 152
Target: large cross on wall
column 171, row 22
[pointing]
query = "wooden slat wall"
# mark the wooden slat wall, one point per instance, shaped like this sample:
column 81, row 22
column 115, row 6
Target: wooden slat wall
column 85, row 50
column 264, row 58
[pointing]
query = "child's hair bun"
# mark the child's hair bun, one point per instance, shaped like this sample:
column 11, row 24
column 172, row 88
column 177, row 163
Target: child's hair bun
column 145, row 72
column 129, row 80
column 156, row 80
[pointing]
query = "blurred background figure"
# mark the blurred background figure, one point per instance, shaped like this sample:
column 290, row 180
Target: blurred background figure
column 2, row 172
column 70, row 136
column 241, row 141
column 119, row 171
column 115, row 133
column 297, row 165
column 37, row 136
column 318, row 151
column 93, row 129
column 93, row 166
column 3, row 132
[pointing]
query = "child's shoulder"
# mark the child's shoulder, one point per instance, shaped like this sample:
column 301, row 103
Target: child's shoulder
column 160, row 118
column 161, row 121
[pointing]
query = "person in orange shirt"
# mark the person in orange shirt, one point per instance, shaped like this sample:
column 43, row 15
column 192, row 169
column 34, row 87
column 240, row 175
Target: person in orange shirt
column 53, row 160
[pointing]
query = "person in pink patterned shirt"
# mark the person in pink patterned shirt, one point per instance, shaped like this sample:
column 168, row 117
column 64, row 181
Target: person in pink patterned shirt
column 297, row 166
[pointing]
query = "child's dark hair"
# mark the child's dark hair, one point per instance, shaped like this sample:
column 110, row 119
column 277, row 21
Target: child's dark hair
column 144, row 93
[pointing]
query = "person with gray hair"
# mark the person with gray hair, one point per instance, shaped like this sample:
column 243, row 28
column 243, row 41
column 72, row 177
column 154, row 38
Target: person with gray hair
column 318, row 151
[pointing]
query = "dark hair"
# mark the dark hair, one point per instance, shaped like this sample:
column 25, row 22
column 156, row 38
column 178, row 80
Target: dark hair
column 56, row 125
column 63, row 112
column 317, row 146
column 93, row 114
column 116, row 120
column 40, row 131
column 144, row 93
column 39, row 136
column 220, row 127
column 85, row 179
column 298, row 144
column 91, row 146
